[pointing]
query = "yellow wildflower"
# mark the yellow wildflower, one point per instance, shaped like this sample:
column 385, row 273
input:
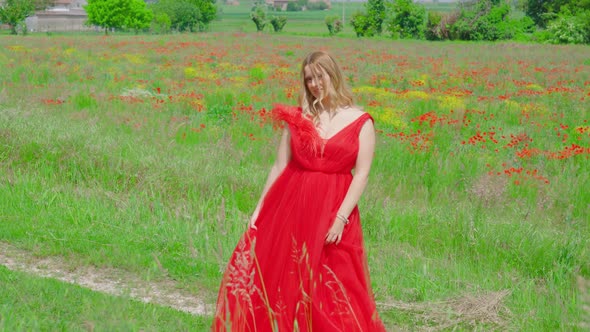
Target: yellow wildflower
column 451, row 102
column 534, row 87
column 135, row 58
column 415, row 95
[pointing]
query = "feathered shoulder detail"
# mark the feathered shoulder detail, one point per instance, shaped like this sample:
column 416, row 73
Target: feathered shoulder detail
column 299, row 125
column 287, row 113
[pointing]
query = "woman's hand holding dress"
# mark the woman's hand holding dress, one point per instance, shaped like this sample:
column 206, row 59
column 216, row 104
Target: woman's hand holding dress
column 335, row 233
column 359, row 181
column 251, row 223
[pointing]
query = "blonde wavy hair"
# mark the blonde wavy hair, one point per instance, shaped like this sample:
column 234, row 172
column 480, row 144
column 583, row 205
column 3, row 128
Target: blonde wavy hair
column 321, row 64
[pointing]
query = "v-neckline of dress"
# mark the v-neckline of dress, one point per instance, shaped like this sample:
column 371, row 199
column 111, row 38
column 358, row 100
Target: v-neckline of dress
column 326, row 140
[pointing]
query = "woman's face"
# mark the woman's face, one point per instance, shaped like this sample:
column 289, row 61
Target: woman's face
column 316, row 84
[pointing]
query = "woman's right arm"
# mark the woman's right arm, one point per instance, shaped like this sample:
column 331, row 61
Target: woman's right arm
column 283, row 158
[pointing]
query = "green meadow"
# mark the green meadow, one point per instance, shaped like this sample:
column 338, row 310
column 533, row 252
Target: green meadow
column 148, row 153
column 237, row 18
column 234, row 18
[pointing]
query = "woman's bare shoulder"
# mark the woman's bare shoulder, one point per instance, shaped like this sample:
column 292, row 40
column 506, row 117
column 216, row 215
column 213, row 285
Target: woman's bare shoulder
column 354, row 111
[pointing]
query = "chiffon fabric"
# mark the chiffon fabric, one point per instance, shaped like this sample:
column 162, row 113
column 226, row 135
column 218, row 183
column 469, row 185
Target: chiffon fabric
column 282, row 276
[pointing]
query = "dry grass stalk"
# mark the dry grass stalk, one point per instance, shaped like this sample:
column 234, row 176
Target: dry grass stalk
column 468, row 310
column 489, row 189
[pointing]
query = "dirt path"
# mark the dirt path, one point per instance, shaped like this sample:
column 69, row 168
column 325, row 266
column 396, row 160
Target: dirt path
column 110, row 281
column 584, row 286
column 165, row 293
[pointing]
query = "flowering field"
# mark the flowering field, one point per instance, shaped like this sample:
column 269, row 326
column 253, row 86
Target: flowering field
column 148, row 153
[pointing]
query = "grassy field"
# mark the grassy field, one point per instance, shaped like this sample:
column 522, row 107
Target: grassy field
column 148, row 153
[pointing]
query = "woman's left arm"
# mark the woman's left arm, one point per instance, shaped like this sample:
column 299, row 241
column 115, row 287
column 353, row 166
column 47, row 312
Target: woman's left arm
column 359, row 181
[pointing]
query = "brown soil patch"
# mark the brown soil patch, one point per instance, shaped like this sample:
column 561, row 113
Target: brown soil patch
column 110, row 281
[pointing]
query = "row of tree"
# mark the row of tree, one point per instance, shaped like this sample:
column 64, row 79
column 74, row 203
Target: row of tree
column 161, row 16
column 555, row 21
column 260, row 19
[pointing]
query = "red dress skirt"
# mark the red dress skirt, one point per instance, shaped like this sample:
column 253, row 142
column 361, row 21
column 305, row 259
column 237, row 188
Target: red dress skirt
column 282, row 276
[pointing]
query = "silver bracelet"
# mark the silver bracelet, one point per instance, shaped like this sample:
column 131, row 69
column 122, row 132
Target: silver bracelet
column 343, row 218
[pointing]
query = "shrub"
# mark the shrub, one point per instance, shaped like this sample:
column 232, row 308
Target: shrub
column 208, row 11
column 567, row 30
column 14, row 13
column 183, row 15
column 541, row 36
column 161, row 23
column 22, row 28
column 543, row 12
column 519, row 29
column 317, row 6
column 258, row 16
column 376, row 12
column 293, row 7
column 334, row 24
column 405, row 19
column 433, row 29
column 536, row 9
column 526, row 24
column 278, row 23
column 186, row 17
column 361, row 24
column 483, row 21
column 584, row 19
column 441, row 30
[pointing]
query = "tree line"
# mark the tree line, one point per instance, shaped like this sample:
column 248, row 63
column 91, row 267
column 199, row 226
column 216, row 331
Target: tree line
column 553, row 21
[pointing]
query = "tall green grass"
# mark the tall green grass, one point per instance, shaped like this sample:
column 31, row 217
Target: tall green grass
column 148, row 154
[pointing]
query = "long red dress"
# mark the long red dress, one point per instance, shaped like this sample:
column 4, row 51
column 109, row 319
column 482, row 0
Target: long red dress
column 282, row 276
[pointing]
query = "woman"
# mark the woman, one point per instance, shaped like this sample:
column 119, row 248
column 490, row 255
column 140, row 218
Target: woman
column 301, row 265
